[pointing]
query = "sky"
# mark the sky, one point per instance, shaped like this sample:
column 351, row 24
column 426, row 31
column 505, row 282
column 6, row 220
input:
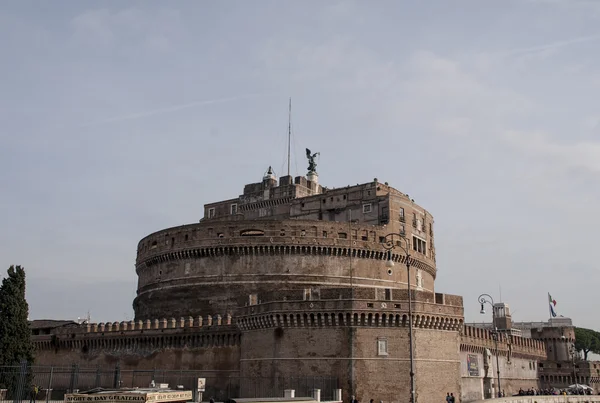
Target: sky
column 118, row 119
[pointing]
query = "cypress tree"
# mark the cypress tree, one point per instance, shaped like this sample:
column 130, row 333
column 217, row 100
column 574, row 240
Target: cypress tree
column 15, row 335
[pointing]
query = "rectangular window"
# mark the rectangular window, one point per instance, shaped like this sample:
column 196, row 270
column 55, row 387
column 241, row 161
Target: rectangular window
column 402, row 218
column 307, row 294
column 388, row 294
column 324, row 234
column 342, row 235
column 382, row 346
column 402, row 230
column 419, row 245
column 367, row 208
column 234, row 209
column 211, row 212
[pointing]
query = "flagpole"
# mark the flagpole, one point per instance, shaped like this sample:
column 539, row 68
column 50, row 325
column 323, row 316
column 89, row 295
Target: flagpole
column 549, row 307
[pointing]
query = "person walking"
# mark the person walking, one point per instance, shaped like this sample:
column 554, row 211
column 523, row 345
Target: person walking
column 34, row 392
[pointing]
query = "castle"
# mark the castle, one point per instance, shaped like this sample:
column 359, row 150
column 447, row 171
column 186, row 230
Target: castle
column 290, row 279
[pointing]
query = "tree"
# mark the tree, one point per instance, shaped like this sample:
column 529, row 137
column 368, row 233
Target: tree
column 587, row 340
column 15, row 335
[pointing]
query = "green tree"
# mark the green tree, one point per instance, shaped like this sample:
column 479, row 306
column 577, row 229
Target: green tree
column 15, row 335
column 587, row 340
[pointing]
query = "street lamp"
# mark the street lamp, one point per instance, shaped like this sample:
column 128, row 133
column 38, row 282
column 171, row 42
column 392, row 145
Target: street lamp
column 487, row 299
column 572, row 352
column 404, row 245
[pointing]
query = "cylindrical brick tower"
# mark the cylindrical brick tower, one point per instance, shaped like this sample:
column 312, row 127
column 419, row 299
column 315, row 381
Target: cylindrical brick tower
column 283, row 235
column 214, row 267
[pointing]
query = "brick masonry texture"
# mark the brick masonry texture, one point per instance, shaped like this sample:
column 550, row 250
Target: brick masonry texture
column 290, row 279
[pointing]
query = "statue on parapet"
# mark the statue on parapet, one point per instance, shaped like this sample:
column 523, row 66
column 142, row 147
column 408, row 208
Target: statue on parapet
column 312, row 165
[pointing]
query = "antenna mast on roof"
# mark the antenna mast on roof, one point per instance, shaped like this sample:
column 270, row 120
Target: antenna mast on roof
column 289, row 135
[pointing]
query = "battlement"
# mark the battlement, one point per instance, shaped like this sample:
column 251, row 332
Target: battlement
column 199, row 332
column 351, row 307
column 141, row 325
column 476, row 339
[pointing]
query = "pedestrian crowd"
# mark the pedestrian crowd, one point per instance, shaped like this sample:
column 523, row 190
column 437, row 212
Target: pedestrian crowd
column 553, row 391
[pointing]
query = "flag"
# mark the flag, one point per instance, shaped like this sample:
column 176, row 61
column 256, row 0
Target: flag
column 552, row 303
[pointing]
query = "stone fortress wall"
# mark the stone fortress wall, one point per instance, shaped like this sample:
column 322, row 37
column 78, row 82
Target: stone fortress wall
column 321, row 331
column 518, row 358
column 359, row 335
column 205, row 268
column 289, row 279
column 559, row 368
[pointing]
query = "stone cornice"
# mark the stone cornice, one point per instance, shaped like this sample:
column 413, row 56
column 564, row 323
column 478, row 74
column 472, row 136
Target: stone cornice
column 347, row 319
column 282, row 249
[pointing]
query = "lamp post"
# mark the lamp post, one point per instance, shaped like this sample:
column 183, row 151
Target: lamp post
column 572, row 354
column 404, row 245
column 487, row 299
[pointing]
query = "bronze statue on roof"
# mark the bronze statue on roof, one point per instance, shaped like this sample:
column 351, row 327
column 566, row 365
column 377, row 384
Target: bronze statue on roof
column 312, row 165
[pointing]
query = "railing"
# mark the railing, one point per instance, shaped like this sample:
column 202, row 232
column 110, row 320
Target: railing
column 53, row 382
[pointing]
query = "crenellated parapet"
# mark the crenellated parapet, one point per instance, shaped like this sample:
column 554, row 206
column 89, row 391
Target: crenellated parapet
column 340, row 307
column 477, row 340
column 191, row 332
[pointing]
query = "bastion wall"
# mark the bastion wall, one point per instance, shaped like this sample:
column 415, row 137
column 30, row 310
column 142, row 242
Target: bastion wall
column 208, row 343
column 518, row 359
column 358, row 335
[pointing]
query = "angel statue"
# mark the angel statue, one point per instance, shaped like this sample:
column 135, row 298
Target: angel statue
column 312, row 165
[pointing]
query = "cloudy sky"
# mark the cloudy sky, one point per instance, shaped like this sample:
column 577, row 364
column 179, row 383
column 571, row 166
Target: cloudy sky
column 121, row 118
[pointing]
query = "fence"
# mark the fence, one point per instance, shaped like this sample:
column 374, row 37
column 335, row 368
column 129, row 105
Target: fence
column 16, row 383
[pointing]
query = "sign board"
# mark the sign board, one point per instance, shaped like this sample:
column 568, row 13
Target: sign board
column 473, row 364
column 201, row 384
column 131, row 397
column 120, row 397
column 178, row 396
